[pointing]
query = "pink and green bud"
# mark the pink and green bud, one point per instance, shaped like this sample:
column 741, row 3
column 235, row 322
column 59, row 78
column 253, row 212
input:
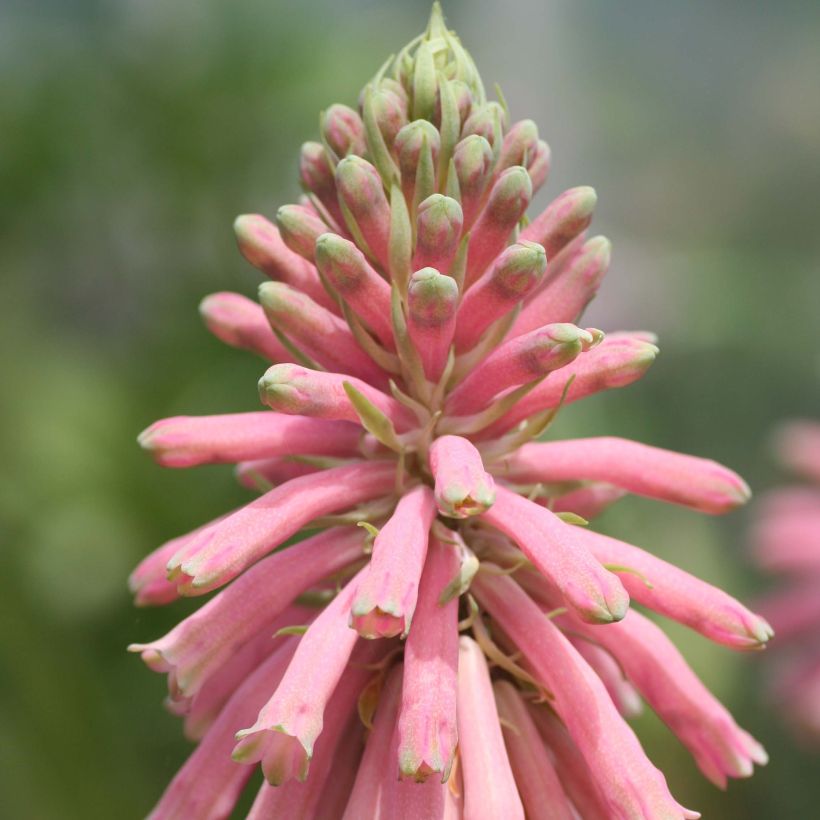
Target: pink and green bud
column 630, row 785
column 427, row 731
column 505, row 206
column 261, row 244
column 240, row 322
column 474, row 163
column 519, row 146
column 316, row 175
column 539, row 165
column 519, row 361
column 438, row 232
column 360, row 190
column 300, row 227
column 343, row 131
column 538, row 783
column 209, row 784
column 487, row 121
column 650, row 660
column 618, row 361
column 351, row 275
column 596, row 594
column 219, row 554
column 264, row 474
column 565, row 217
column 204, row 642
column 386, row 598
column 288, row 725
column 295, row 390
column 564, row 297
column 187, row 441
column 322, row 335
column 390, row 113
column 432, row 298
column 514, row 274
column 676, row 594
column 638, row 468
column 412, row 143
column 463, row 487
column 489, row 784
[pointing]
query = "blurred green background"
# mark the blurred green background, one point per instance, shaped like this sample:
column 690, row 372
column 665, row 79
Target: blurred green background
column 131, row 134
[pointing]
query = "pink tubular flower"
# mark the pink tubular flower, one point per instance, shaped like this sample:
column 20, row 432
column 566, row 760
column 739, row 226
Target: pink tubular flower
column 420, row 341
column 785, row 540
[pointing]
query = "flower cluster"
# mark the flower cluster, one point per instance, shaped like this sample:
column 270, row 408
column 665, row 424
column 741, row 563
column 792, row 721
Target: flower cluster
column 786, row 541
column 451, row 639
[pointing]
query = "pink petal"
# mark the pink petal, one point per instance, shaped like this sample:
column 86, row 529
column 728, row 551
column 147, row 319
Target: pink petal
column 631, row 785
column 186, row 441
column 221, row 553
column 558, row 553
column 427, row 732
column 386, row 598
column 649, row 471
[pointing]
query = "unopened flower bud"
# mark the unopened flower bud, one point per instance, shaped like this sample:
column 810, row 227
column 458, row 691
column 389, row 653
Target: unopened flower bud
column 519, row 361
column 316, row 174
column 566, row 217
column 410, row 143
column 514, row 274
column 473, row 162
column 438, row 232
column 300, row 228
column 463, row 487
column 323, row 336
column 367, row 293
column 507, row 203
column 488, row 121
column 432, row 300
column 390, row 113
column 564, row 296
column 360, row 188
column 519, row 146
column 261, row 244
column 240, row 322
column 343, row 130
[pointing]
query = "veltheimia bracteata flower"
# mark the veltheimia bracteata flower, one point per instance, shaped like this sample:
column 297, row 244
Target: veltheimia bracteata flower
column 469, row 650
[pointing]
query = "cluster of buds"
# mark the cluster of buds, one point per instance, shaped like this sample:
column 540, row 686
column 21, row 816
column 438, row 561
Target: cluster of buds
column 786, row 542
column 450, row 639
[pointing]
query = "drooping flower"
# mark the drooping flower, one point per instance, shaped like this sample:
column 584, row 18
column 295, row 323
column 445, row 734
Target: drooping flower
column 786, row 543
column 421, row 337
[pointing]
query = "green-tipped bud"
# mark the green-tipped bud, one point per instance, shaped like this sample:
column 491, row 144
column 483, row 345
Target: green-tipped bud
column 510, row 197
column 300, row 228
column 565, row 218
column 473, row 162
column 390, row 114
column 315, row 169
column 520, row 145
column 519, row 268
column 410, row 142
column 487, row 121
column 343, row 131
column 431, row 297
column 438, row 232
